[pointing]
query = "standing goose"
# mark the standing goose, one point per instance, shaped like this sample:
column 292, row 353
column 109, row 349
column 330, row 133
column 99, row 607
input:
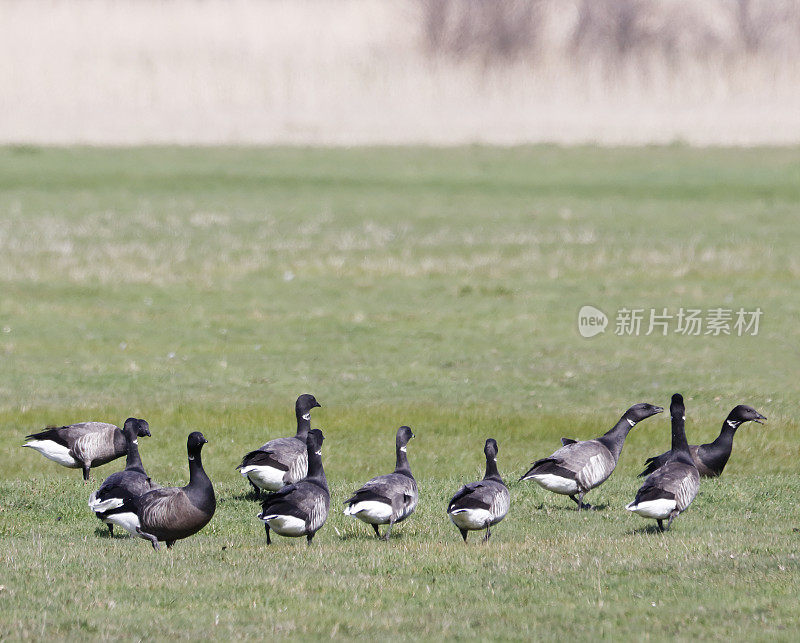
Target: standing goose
column 387, row 499
column 80, row 446
column 479, row 505
column 579, row 466
column 133, row 481
column 284, row 460
column 300, row 509
column 173, row 513
column 710, row 459
column 671, row 489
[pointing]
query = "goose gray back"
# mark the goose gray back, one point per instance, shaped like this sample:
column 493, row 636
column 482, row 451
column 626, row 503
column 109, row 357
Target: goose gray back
column 301, row 508
column 668, row 491
column 579, row 466
column 479, row 505
column 390, row 498
column 107, row 502
column 710, row 459
column 174, row 513
column 284, row 460
column 80, row 446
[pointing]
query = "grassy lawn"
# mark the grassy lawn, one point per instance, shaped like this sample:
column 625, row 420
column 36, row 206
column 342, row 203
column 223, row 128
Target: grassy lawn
column 205, row 289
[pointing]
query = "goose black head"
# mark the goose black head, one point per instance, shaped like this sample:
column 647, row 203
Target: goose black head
column 639, row 412
column 314, row 441
column 744, row 413
column 136, row 428
column 195, row 443
column 490, row 449
column 404, row 435
column 676, row 406
column 304, row 404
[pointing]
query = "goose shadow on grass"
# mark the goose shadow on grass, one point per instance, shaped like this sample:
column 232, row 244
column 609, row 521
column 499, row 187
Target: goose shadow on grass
column 647, row 529
column 102, row 532
column 571, row 508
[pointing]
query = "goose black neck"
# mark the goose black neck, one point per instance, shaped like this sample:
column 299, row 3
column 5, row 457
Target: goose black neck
column 133, row 459
column 401, row 463
column 197, row 475
column 679, row 442
column 316, row 473
column 303, row 426
column 728, row 430
column 491, row 469
column 615, row 438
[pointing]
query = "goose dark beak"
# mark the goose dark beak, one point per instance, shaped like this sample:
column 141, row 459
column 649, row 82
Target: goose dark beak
column 759, row 418
column 317, row 404
column 659, row 409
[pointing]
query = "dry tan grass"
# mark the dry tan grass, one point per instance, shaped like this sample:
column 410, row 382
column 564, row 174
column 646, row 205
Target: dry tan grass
column 368, row 71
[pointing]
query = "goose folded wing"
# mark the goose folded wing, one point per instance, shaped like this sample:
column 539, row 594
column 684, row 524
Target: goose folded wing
column 475, row 495
column 94, row 445
column 654, row 463
column 158, row 509
column 587, row 462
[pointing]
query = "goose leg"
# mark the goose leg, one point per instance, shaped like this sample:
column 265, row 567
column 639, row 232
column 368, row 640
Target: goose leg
column 266, row 528
column 488, row 533
column 170, row 543
column 377, row 531
column 660, row 524
column 579, row 501
column 388, row 531
column 672, row 517
column 153, row 540
column 464, row 533
column 309, row 538
column 110, row 529
column 86, row 468
column 256, row 490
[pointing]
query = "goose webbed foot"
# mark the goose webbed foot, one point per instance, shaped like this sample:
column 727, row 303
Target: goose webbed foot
column 671, row 518
column 388, row 532
column 581, row 504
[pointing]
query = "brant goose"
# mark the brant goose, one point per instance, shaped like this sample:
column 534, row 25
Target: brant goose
column 710, row 459
column 173, row 513
column 133, row 481
column 281, row 461
column 387, row 499
column 479, row 505
column 671, row 489
column 300, row 509
column 80, row 446
column 579, row 466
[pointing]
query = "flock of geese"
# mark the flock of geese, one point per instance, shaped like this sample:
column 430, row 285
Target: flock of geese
column 298, row 500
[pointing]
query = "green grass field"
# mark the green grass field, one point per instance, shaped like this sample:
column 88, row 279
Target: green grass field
column 204, row 289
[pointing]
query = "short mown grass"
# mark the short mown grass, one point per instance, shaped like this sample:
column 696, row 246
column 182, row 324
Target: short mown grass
column 205, row 289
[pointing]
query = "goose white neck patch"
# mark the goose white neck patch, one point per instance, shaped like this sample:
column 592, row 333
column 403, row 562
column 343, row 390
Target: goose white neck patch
column 733, row 423
column 191, row 457
column 631, row 422
column 318, row 452
column 136, row 442
column 306, row 416
column 403, row 449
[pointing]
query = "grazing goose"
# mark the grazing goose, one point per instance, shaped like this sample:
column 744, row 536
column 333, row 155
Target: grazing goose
column 281, row 461
column 80, row 446
column 387, row 499
column 300, row 509
column 173, row 513
column 710, row 459
column 479, row 505
column 673, row 486
column 133, row 481
column 579, row 466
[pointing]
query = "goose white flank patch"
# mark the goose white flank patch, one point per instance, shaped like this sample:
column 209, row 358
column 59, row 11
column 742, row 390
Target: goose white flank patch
column 79, row 446
column 300, row 508
column 671, row 488
column 480, row 505
column 579, row 466
column 108, row 502
column 174, row 513
column 388, row 499
column 284, row 460
column 710, row 459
